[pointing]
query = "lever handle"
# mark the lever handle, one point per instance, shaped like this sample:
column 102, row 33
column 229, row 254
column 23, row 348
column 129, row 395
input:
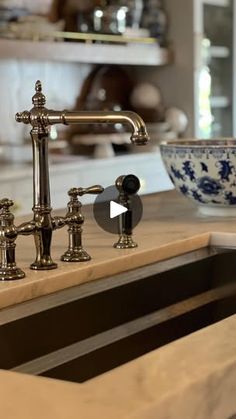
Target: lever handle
column 75, row 251
column 92, row 190
column 23, row 117
column 8, row 234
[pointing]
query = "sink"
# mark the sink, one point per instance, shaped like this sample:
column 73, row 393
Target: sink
column 79, row 333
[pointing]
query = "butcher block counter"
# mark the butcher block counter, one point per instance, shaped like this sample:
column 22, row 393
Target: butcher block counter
column 193, row 377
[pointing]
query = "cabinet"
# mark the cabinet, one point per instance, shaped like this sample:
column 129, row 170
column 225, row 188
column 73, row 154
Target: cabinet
column 62, row 67
column 201, row 80
column 214, row 26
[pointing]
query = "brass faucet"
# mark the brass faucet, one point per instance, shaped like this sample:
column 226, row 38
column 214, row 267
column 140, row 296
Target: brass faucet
column 41, row 118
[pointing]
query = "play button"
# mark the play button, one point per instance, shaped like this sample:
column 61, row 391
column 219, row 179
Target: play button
column 107, row 210
column 116, row 209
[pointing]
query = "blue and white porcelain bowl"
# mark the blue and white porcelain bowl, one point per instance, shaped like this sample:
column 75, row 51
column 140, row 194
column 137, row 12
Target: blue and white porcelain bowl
column 205, row 172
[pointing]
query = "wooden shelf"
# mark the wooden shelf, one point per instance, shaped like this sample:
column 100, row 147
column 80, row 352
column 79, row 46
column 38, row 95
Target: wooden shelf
column 129, row 54
column 221, row 3
column 220, row 101
column 219, row 52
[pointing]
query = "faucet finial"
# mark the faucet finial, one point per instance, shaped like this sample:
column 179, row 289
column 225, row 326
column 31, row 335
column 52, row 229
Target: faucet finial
column 38, row 86
column 39, row 100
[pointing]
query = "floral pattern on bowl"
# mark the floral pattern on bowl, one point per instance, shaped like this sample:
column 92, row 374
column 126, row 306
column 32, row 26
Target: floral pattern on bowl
column 205, row 172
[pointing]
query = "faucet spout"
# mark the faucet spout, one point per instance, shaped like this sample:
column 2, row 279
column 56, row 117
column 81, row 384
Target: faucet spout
column 139, row 134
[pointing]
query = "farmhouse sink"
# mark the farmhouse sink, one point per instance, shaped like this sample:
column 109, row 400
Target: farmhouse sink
column 81, row 332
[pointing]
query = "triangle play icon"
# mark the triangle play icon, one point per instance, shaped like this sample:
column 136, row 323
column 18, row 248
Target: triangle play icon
column 116, row 209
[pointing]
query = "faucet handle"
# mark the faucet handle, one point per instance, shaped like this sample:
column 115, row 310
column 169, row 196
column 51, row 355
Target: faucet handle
column 23, row 117
column 92, row 190
column 8, row 235
column 75, row 220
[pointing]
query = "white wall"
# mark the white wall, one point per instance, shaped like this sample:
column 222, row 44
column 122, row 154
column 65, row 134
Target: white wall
column 61, row 84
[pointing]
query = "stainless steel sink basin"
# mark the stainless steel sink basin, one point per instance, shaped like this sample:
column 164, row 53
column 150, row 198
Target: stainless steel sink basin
column 81, row 332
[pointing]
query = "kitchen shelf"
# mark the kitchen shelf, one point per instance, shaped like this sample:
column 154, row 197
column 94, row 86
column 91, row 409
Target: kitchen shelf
column 220, row 101
column 221, row 3
column 219, row 52
column 127, row 54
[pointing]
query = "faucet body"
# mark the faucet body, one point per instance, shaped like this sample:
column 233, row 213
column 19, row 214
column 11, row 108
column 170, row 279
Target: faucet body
column 41, row 118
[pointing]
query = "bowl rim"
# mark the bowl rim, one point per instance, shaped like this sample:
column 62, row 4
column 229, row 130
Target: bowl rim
column 201, row 143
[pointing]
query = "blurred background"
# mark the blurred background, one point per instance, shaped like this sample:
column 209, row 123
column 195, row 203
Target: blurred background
column 170, row 61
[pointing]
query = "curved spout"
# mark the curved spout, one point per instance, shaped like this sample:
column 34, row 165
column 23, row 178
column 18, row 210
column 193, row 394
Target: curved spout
column 40, row 117
column 139, row 135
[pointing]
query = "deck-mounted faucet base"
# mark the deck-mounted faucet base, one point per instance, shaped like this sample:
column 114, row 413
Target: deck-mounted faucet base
column 43, row 223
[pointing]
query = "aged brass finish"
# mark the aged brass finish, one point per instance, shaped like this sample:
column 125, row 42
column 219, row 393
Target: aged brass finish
column 43, row 224
column 127, row 186
column 125, row 242
column 75, row 251
column 8, row 234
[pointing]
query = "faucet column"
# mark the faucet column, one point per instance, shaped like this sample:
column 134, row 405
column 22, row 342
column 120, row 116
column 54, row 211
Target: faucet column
column 42, row 203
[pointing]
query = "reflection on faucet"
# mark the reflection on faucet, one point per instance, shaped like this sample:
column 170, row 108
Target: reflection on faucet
column 41, row 118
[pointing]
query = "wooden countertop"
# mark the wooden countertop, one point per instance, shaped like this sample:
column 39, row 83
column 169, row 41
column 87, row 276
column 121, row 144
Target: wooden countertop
column 170, row 227
column 200, row 368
